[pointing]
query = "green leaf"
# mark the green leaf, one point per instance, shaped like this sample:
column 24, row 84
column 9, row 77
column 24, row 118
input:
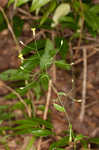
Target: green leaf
column 29, row 64
column 62, row 10
column 37, row 90
column 5, row 115
column 84, row 144
column 34, row 131
column 3, row 24
column 62, row 142
column 3, row 107
column 94, row 140
column 92, row 20
column 4, row 128
column 19, row 2
column 32, row 122
column 62, row 45
column 14, row 75
column 44, row 79
column 10, row 2
column 95, row 9
column 61, row 93
column 69, row 22
column 33, row 46
column 41, row 132
column 47, row 58
column 62, row 64
column 17, row 25
column 59, row 108
column 37, row 4
column 48, row 12
column 79, row 137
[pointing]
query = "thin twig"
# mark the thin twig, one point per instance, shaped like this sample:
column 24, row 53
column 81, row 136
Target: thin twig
column 54, row 73
column 66, row 114
column 81, row 59
column 92, row 104
column 82, row 113
column 53, row 66
column 19, row 97
column 27, row 14
column 87, row 46
column 10, row 28
column 81, row 24
column 46, row 110
column 48, row 100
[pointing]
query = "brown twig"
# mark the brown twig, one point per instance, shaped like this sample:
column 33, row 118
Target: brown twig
column 81, row 59
column 82, row 113
column 91, row 46
column 46, row 110
column 81, row 24
column 92, row 104
column 10, row 28
column 27, row 14
column 19, row 97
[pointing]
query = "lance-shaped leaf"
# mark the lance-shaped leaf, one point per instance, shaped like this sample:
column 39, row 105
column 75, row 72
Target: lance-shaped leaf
column 62, row 10
column 36, row 4
column 47, row 58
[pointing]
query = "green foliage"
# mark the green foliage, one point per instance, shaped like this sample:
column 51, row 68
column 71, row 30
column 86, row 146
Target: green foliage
column 29, row 64
column 94, row 140
column 32, row 126
column 92, row 20
column 38, row 56
column 33, row 46
column 69, row 22
column 48, row 12
column 14, row 75
column 3, row 24
column 44, row 79
column 33, row 122
column 19, row 2
column 17, row 25
column 47, row 58
column 62, row 10
column 59, row 108
column 62, row 46
column 37, row 4
column 62, row 142
column 63, row 65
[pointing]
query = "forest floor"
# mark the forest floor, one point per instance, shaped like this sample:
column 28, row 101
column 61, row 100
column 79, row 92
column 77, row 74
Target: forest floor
column 90, row 125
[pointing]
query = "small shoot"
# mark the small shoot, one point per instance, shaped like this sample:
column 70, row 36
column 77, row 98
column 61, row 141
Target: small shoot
column 59, row 108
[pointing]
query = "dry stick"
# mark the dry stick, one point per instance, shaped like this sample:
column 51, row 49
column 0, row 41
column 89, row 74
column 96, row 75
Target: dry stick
column 91, row 104
column 66, row 114
column 19, row 97
column 18, row 48
column 96, row 45
column 10, row 28
column 81, row 59
column 46, row 110
column 82, row 113
column 81, row 28
column 53, row 66
column 27, row 14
